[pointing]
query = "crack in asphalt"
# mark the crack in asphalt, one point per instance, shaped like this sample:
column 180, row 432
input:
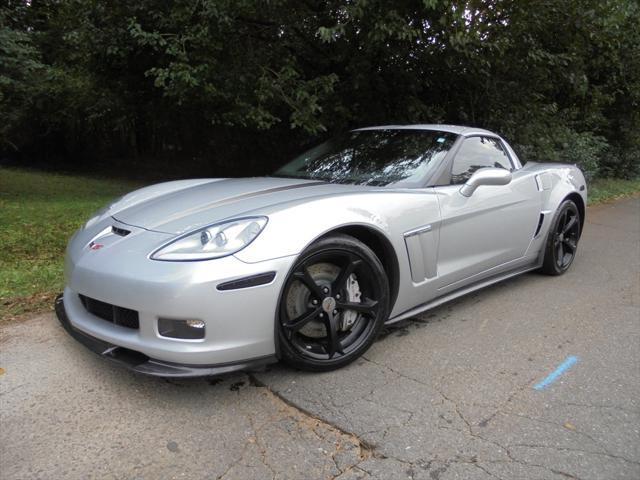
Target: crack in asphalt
column 539, row 420
column 369, row 451
column 612, row 407
column 306, row 413
column 364, row 449
column 505, row 448
column 254, row 439
column 568, row 449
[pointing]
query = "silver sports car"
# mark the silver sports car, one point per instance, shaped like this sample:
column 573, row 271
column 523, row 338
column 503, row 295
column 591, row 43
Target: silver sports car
column 204, row 277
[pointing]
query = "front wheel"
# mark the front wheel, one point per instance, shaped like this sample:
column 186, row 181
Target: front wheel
column 333, row 304
column 562, row 240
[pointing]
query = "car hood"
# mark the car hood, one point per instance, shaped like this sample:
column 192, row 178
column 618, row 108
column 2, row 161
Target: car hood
column 194, row 205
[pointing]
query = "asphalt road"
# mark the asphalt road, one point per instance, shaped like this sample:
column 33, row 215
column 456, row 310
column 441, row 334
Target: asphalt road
column 448, row 395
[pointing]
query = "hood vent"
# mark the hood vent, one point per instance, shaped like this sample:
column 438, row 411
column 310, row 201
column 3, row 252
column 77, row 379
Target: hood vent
column 120, row 231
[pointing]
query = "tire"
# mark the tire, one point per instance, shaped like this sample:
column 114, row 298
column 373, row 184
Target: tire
column 333, row 305
column 562, row 240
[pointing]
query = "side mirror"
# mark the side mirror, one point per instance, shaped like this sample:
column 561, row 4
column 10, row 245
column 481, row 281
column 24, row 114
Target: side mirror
column 485, row 176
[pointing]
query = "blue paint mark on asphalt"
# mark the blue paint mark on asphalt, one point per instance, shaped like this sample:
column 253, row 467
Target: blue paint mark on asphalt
column 570, row 360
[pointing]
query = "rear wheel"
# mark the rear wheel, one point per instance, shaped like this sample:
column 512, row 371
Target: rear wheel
column 562, row 240
column 333, row 304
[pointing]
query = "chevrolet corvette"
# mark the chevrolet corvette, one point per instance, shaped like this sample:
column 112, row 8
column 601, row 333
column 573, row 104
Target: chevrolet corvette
column 209, row 276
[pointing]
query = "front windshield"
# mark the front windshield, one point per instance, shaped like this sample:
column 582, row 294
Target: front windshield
column 372, row 157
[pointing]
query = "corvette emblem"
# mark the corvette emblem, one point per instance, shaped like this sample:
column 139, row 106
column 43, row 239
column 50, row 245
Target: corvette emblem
column 95, row 246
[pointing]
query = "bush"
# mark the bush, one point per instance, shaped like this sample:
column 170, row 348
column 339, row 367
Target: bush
column 565, row 145
column 620, row 163
column 583, row 149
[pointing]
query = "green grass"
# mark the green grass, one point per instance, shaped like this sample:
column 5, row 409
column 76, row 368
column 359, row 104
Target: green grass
column 607, row 189
column 38, row 213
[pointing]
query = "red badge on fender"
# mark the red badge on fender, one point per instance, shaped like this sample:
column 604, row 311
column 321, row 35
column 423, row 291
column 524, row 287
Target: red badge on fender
column 95, row 246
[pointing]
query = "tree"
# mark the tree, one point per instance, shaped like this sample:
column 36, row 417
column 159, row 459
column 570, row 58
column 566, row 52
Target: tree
column 235, row 86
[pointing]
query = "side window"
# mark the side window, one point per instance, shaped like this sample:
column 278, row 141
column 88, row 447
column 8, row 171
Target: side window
column 476, row 153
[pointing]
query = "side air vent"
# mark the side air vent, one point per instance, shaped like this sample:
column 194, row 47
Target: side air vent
column 120, row 231
column 540, row 222
column 422, row 247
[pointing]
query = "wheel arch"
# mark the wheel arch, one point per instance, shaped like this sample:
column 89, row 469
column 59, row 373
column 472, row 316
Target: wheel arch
column 383, row 249
column 576, row 198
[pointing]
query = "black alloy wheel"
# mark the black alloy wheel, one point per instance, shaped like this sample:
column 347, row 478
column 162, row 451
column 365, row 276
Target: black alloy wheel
column 333, row 304
column 562, row 241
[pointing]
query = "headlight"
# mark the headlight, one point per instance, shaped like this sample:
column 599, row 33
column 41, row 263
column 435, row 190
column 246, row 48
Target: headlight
column 214, row 241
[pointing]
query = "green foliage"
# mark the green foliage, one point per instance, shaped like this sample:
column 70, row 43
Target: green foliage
column 583, row 149
column 19, row 71
column 219, row 82
column 608, row 189
column 564, row 145
column 38, row 214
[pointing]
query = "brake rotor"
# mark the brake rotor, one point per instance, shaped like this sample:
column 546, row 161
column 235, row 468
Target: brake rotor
column 298, row 300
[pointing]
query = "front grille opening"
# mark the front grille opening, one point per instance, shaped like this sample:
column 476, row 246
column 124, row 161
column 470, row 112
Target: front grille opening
column 120, row 231
column 124, row 317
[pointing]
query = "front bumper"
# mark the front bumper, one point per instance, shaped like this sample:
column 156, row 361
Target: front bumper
column 239, row 317
column 140, row 363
